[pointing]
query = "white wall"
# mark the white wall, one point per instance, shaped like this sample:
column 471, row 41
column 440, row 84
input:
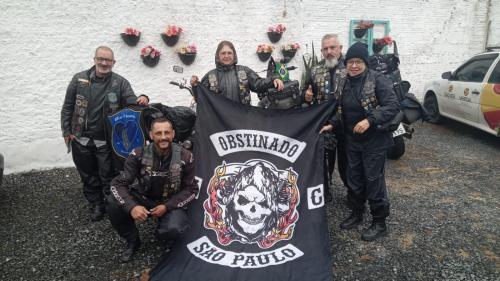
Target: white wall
column 45, row 42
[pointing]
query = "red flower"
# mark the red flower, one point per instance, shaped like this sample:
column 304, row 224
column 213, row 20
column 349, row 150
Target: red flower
column 173, row 30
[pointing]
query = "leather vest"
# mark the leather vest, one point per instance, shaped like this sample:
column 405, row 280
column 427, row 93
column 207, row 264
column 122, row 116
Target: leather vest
column 368, row 97
column 173, row 176
column 244, row 91
column 321, row 80
column 111, row 106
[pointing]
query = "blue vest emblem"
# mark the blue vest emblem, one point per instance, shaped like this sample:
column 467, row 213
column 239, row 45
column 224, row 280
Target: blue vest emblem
column 126, row 131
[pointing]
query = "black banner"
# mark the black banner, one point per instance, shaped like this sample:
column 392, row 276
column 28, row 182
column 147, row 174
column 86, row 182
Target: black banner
column 260, row 213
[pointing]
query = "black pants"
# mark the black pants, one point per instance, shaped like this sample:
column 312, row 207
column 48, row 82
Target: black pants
column 366, row 181
column 338, row 152
column 94, row 164
column 170, row 227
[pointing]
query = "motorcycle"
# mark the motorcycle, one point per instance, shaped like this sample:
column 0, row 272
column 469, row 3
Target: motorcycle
column 287, row 98
column 411, row 108
column 129, row 127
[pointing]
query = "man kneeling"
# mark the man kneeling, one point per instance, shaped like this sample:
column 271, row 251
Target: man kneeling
column 166, row 184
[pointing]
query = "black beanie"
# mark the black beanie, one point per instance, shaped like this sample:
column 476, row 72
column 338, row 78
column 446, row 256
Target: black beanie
column 357, row 50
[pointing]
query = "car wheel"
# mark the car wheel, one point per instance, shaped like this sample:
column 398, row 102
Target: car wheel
column 432, row 108
column 395, row 152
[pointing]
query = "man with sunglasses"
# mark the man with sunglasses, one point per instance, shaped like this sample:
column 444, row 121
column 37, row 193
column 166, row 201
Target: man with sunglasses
column 92, row 95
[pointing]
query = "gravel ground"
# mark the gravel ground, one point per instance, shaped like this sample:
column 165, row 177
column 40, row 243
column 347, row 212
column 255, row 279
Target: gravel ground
column 444, row 223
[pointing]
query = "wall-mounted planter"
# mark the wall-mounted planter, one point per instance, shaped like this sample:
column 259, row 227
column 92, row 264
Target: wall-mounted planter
column 187, row 59
column 288, row 55
column 274, row 36
column 359, row 32
column 170, row 40
column 377, row 48
column 130, row 39
column 263, row 56
column 149, row 61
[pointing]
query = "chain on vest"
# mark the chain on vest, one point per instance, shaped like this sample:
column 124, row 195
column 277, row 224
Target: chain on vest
column 172, row 178
column 242, row 85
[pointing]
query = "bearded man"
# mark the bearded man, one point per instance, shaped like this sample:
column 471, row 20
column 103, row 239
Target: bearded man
column 326, row 82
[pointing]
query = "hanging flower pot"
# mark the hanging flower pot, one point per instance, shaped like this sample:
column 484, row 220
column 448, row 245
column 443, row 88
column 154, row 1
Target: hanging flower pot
column 264, row 51
column 264, row 56
column 187, row 53
column 288, row 55
column 359, row 32
column 289, row 51
column 274, row 36
column 377, row 48
column 150, row 56
column 130, row 40
column 151, row 62
column 274, row 32
column 131, row 36
column 170, row 40
column 171, row 35
column 379, row 43
column 187, row 59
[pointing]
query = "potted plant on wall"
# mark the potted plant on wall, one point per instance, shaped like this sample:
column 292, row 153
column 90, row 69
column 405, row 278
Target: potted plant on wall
column 362, row 27
column 171, row 35
column 380, row 43
column 187, row 53
column 275, row 32
column 150, row 56
column 289, row 51
column 131, row 36
column 264, row 51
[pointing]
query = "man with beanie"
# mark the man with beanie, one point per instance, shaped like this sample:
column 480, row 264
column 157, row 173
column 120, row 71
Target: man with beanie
column 367, row 102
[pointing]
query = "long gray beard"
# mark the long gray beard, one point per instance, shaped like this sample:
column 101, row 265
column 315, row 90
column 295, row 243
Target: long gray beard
column 331, row 63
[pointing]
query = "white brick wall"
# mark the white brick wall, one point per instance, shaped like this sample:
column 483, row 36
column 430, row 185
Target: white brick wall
column 45, row 42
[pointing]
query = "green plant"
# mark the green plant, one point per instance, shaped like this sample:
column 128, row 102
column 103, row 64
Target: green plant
column 309, row 63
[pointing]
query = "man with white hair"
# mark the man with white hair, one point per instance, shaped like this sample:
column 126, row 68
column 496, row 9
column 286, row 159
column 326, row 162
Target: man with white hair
column 326, row 82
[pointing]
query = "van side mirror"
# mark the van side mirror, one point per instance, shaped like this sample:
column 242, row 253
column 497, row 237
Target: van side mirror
column 446, row 75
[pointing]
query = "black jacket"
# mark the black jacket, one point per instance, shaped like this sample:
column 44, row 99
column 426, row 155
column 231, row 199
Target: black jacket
column 120, row 185
column 231, row 84
column 352, row 112
column 89, row 99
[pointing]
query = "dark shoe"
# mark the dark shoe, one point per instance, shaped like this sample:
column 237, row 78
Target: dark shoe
column 132, row 248
column 97, row 213
column 376, row 230
column 352, row 221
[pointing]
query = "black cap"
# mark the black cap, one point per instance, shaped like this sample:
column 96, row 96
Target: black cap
column 357, row 50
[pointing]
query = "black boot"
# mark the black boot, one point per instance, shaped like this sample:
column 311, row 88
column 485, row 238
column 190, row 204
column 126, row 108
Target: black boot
column 97, row 212
column 376, row 230
column 354, row 219
column 132, row 248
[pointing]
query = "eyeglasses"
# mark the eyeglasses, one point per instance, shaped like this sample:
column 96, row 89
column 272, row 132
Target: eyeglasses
column 99, row 59
column 353, row 62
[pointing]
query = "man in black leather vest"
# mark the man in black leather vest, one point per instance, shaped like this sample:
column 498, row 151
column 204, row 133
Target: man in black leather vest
column 326, row 82
column 166, row 185
column 90, row 97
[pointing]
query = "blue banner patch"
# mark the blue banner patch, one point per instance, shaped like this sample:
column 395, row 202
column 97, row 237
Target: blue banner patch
column 126, row 131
